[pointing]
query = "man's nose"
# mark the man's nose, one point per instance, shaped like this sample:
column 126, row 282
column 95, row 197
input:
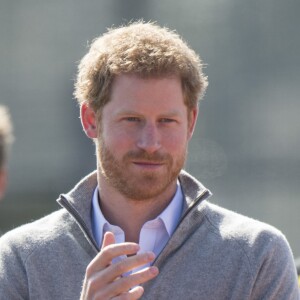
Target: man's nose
column 149, row 138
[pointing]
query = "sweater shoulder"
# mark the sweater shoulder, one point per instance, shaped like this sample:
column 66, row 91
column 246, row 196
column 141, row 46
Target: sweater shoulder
column 257, row 240
column 25, row 238
column 232, row 225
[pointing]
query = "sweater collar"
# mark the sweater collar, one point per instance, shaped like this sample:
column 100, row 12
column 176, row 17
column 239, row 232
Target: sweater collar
column 79, row 200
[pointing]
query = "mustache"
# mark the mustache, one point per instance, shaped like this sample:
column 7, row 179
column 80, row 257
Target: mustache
column 147, row 157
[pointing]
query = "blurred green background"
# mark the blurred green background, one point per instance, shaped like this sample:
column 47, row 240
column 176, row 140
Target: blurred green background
column 246, row 147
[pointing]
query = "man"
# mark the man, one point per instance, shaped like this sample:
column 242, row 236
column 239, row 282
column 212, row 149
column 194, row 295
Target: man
column 6, row 138
column 140, row 226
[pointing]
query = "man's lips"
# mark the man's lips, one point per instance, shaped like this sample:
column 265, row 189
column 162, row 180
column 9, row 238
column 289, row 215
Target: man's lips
column 148, row 163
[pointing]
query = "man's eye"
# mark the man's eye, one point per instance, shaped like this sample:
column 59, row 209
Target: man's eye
column 132, row 119
column 166, row 120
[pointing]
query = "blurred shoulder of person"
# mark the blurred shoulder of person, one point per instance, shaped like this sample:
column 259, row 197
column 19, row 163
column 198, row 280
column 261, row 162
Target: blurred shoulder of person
column 6, row 138
column 297, row 262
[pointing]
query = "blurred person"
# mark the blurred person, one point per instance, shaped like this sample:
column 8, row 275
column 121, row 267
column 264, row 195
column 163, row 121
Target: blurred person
column 298, row 269
column 141, row 226
column 6, row 138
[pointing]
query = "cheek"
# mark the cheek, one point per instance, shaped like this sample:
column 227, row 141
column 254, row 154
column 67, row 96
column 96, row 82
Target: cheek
column 175, row 141
column 117, row 139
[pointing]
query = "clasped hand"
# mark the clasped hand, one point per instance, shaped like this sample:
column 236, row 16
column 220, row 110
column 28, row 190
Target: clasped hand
column 103, row 280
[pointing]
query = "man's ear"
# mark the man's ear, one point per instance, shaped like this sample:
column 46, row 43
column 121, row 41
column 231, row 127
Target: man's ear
column 88, row 120
column 193, row 115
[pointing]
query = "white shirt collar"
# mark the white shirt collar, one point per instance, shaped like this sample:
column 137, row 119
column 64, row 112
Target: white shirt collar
column 170, row 216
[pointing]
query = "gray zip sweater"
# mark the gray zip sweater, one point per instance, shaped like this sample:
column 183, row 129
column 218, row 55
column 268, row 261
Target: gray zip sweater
column 213, row 254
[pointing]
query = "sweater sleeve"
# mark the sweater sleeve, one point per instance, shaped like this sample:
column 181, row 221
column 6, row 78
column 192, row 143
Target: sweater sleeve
column 276, row 278
column 13, row 279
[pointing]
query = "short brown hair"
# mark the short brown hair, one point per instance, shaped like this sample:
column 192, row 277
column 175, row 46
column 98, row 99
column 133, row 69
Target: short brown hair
column 6, row 135
column 140, row 48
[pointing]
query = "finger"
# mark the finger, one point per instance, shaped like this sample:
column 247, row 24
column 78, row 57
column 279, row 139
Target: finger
column 124, row 284
column 108, row 239
column 112, row 251
column 135, row 293
column 108, row 253
column 128, row 264
column 104, row 282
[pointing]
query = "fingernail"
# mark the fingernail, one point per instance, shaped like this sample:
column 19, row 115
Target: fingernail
column 154, row 270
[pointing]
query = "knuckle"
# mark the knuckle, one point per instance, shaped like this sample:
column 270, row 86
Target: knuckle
column 89, row 270
column 142, row 258
column 107, row 253
column 139, row 278
column 104, row 253
column 120, row 268
column 91, row 285
column 131, row 281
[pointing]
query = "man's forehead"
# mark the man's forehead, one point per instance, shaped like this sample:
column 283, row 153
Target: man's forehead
column 143, row 78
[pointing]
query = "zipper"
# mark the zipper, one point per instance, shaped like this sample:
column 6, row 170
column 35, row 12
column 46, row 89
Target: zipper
column 206, row 193
column 64, row 203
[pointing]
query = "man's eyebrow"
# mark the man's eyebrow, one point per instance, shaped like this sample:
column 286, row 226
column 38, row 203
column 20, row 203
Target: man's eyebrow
column 132, row 111
column 127, row 112
column 172, row 113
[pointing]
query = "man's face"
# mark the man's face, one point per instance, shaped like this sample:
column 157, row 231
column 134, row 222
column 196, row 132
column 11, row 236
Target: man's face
column 143, row 135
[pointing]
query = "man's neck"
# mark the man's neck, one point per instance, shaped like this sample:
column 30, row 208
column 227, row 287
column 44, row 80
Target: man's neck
column 130, row 214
